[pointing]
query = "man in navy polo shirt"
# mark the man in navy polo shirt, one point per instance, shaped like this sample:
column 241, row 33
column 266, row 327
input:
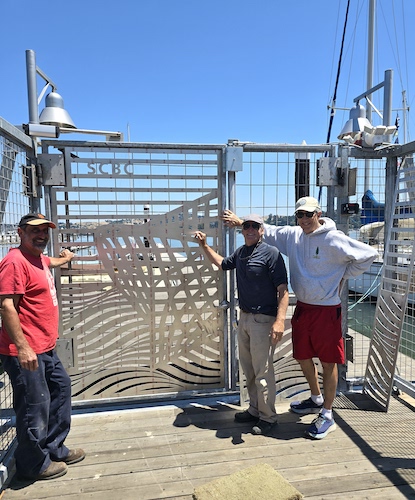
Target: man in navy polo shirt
column 263, row 301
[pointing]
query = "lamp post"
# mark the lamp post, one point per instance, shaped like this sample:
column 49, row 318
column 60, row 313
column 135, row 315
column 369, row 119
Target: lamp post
column 49, row 126
column 54, row 119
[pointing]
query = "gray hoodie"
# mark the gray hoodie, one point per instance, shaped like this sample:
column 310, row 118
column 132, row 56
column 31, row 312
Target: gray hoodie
column 319, row 261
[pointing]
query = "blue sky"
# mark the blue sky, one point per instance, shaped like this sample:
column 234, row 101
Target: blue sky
column 192, row 71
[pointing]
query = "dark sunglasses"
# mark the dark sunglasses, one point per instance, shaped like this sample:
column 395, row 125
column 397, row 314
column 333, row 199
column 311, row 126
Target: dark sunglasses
column 300, row 215
column 254, row 225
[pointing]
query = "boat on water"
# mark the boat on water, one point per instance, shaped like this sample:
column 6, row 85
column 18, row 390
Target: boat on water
column 368, row 284
column 373, row 211
column 373, row 234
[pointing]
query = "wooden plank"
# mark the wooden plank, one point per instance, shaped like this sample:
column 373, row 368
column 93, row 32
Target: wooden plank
column 374, row 492
column 355, row 484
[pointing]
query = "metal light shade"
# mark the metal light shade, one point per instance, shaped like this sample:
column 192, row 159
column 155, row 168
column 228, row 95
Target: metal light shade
column 54, row 112
column 356, row 123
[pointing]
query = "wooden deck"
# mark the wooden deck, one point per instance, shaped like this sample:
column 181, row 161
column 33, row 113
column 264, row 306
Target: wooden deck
column 165, row 451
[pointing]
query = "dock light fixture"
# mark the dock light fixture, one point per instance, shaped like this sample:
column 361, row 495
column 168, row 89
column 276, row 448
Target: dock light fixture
column 54, row 113
column 356, row 123
column 358, row 130
column 54, row 119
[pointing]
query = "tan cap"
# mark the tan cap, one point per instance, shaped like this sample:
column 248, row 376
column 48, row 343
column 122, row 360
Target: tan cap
column 253, row 218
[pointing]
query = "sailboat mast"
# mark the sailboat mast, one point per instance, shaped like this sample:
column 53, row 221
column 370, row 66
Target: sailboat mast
column 369, row 82
column 370, row 53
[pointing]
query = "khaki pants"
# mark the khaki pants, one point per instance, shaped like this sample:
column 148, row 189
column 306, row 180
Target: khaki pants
column 256, row 357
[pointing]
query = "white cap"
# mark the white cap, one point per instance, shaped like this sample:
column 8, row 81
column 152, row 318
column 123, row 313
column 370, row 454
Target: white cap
column 308, row 204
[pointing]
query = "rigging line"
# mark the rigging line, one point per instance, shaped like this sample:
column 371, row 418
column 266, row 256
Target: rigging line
column 358, row 16
column 394, row 47
column 405, row 109
column 408, row 89
column 397, row 44
column 396, row 55
column 337, row 76
column 351, row 48
column 329, row 98
column 405, row 45
column 333, row 102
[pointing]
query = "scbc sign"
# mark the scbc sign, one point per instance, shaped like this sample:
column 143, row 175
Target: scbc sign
column 110, row 168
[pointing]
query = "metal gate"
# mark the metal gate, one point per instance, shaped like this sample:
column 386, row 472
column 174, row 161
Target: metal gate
column 141, row 309
column 397, row 286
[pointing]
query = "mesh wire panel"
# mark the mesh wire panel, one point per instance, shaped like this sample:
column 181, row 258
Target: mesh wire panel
column 14, row 203
column 269, row 185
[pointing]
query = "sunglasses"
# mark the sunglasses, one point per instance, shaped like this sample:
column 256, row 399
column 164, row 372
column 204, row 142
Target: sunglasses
column 254, row 225
column 300, row 215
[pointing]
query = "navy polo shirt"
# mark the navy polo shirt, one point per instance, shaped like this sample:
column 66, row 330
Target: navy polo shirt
column 260, row 269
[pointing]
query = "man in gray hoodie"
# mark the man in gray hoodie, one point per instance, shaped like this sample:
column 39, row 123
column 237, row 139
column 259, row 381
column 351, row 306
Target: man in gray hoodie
column 320, row 259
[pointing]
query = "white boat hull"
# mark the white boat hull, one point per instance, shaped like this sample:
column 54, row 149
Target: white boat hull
column 368, row 283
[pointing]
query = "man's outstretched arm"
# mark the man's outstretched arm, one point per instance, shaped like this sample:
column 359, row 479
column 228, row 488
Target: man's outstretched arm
column 213, row 256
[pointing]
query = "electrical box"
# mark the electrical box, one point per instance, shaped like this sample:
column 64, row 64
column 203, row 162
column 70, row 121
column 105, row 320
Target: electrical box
column 352, row 181
column 233, row 158
column 328, row 171
column 53, row 169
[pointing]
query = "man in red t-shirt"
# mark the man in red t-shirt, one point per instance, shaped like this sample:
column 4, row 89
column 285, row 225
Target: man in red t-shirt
column 41, row 386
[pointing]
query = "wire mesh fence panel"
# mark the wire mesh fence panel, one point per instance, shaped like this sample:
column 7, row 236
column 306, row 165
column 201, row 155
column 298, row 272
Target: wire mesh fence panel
column 269, row 185
column 14, row 203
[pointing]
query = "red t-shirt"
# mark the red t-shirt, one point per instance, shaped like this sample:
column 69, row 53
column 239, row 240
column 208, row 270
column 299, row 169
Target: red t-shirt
column 24, row 274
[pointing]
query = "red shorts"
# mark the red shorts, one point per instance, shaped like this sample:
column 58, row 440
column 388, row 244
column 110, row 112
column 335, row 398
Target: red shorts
column 317, row 333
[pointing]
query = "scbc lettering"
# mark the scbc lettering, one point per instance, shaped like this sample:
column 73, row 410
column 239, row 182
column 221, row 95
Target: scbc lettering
column 110, row 168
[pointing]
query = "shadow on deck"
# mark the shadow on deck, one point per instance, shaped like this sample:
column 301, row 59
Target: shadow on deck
column 166, row 451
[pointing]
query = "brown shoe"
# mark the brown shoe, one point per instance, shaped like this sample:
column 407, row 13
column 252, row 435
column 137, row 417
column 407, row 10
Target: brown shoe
column 245, row 416
column 55, row 469
column 74, row 456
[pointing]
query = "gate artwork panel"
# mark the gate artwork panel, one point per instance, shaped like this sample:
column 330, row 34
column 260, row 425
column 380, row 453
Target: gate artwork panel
column 140, row 305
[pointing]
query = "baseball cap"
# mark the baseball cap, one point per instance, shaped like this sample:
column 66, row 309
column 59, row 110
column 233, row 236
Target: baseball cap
column 308, row 204
column 36, row 220
column 253, row 218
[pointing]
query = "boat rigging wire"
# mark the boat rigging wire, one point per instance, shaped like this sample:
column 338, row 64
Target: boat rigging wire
column 333, row 106
column 333, row 102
